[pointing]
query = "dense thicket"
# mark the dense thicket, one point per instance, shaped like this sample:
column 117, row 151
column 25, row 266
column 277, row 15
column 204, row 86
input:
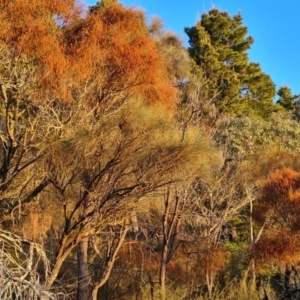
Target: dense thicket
column 133, row 168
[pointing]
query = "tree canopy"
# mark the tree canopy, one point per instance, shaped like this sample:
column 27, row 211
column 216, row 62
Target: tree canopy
column 219, row 45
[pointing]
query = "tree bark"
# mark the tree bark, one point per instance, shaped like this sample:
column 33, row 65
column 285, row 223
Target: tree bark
column 209, row 283
column 83, row 270
column 162, row 275
column 170, row 233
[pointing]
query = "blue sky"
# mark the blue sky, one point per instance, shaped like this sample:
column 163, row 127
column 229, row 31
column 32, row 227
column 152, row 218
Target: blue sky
column 275, row 26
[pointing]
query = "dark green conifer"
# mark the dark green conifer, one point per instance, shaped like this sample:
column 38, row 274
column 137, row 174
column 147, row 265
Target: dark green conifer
column 219, row 45
column 289, row 101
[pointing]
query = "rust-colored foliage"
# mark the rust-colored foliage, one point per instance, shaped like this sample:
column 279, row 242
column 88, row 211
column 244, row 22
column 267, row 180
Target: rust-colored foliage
column 31, row 29
column 279, row 246
column 113, row 47
column 109, row 53
column 192, row 262
column 212, row 259
column 280, row 198
column 279, row 184
column 178, row 270
column 279, row 209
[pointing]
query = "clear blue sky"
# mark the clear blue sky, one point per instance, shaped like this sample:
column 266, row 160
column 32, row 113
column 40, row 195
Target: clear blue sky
column 275, row 26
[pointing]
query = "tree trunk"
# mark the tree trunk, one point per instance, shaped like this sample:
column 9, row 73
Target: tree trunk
column 60, row 258
column 209, row 283
column 169, row 235
column 83, row 271
column 162, row 276
column 110, row 263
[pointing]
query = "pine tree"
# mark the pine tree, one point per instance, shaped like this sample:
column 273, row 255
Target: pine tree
column 289, row 101
column 219, row 45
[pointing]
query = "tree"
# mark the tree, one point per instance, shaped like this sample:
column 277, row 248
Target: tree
column 289, row 101
column 277, row 210
column 174, row 211
column 112, row 55
column 222, row 85
column 171, row 46
column 218, row 45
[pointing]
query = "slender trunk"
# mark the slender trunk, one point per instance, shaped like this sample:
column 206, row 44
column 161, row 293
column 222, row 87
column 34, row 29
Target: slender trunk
column 63, row 252
column 209, row 283
column 110, row 264
column 162, row 273
column 151, row 287
column 83, row 271
column 165, row 250
column 253, row 241
column 253, row 272
column 169, row 237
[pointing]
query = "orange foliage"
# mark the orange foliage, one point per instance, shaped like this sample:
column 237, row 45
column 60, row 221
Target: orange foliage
column 30, row 29
column 212, row 259
column 281, row 246
column 110, row 50
column 279, row 208
column 113, row 47
column 279, row 184
column 280, row 198
column 177, row 270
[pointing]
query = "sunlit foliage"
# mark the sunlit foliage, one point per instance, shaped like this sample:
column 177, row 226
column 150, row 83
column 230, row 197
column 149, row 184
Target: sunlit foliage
column 279, row 208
